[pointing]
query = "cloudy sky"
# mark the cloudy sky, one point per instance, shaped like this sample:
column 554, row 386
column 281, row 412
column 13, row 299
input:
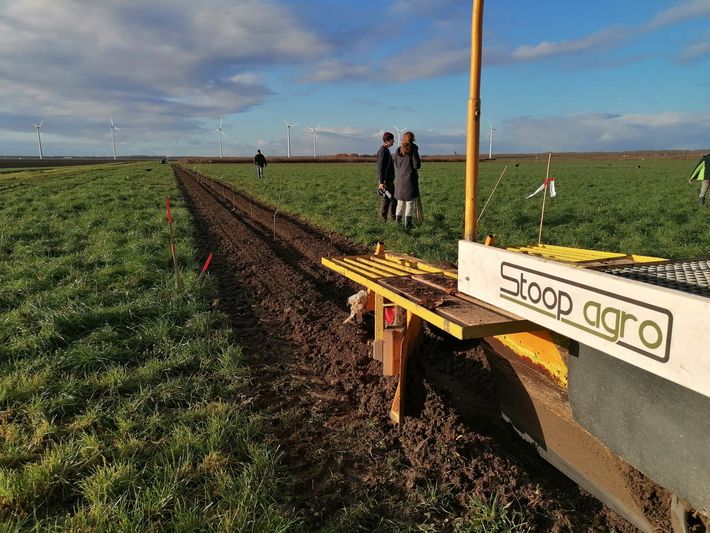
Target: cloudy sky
column 558, row 75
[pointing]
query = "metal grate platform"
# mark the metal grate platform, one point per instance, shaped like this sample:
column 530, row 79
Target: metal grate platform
column 688, row 276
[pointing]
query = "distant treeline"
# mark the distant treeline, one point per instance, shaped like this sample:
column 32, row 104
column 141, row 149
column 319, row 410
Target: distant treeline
column 364, row 158
column 30, row 162
column 26, row 162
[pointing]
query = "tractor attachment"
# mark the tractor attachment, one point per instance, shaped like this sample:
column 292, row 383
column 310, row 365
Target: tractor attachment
column 403, row 292
column 598, row 412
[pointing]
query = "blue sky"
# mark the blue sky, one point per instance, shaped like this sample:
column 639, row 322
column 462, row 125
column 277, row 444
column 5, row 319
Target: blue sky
column 557, row 76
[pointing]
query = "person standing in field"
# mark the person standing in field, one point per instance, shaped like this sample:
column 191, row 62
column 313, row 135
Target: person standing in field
column 702, row 174
column 406, row 184
column 260, row 163
column 385, row 176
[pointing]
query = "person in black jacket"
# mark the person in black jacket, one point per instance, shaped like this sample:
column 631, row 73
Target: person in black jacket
column 260, row 163
column 385, row 175
column 406, row 184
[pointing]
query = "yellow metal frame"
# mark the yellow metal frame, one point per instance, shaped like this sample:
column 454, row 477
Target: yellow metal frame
column 540, row 349
column 366, row 270
column 579, row 256
column 394, row 343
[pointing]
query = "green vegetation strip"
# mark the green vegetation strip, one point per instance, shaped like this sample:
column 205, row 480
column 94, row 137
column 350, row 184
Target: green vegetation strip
column 119, row 394
column 631, row 206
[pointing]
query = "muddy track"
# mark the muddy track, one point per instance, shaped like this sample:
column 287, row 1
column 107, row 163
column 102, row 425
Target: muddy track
column 326, row 401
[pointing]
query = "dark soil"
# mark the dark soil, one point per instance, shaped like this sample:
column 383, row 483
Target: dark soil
column 326, row 402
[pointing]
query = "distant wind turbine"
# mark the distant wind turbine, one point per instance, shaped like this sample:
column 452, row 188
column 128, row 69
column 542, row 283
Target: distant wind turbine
column 399, row 134
column 220, row 132
column 288, row 137
column 39, row 137
column 114, row 129
column 314, row 132
column 490, row 134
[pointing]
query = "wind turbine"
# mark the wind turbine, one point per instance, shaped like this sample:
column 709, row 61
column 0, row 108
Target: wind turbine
column 490, row 134
column 39, row 138
column 114, row 129
column 288, row 137
column 399, row 134
column 220, row 132
column 314, row 132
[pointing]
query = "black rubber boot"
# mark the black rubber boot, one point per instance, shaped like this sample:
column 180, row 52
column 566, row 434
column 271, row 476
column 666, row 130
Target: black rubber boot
column 398, row 219
column 701, row 200
column 407, row 223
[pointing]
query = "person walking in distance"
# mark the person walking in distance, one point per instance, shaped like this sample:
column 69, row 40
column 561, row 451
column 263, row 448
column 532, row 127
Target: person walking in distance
column 406, row 184
column 702, row 174
column 385, row 176
column 260, row 163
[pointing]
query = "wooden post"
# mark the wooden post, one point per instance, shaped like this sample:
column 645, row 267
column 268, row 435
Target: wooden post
column 491, row 196
column 544, row 197
column 408, row 344
column 378, row 343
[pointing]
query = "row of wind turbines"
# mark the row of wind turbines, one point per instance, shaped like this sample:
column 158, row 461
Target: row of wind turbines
column 312, row 131
column 289, row 125
column 113, row 127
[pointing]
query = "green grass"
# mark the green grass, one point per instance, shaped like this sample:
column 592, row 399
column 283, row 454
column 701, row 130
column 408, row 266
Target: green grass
column 604, row 205
column 119, row 394
column 118, row 391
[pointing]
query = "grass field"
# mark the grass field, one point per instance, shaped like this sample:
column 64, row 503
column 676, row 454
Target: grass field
column 119, row 394
column 633, row 206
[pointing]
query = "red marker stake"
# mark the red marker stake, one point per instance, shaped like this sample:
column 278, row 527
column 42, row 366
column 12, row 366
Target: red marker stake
column 172, row 242
column 205, row 267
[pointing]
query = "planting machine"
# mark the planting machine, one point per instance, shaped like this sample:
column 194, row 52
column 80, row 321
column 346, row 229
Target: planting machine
column 600, row 359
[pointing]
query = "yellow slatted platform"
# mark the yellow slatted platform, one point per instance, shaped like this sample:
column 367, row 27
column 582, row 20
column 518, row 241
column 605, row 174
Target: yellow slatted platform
column 428, row 291
column 581, row 256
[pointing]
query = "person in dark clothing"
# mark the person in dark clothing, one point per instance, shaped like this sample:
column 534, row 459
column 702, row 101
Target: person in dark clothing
column 702, row 174
column 260, row 163
column 385, row 176
column 406, row 184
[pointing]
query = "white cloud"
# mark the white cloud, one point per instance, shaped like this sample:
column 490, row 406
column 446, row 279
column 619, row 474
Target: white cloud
column 611, row 37
column 697, row 50
column 342, row 130
column 603, row 38
column 432, row 60
column 246, row 78
column 679, row 13
column 147, row 63
column 334, row 70
column 438, row 9
column 606, row 132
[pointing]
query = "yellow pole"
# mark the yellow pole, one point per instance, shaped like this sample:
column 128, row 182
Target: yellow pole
column 473, row 131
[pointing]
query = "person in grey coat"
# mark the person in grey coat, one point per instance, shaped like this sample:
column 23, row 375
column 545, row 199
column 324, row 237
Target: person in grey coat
column 406, row 182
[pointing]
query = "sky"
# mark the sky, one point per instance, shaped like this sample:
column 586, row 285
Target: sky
column 558, row 76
